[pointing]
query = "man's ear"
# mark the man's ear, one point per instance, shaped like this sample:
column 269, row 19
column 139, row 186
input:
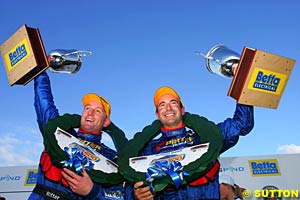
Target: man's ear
column 107, row 122
column 182, row 110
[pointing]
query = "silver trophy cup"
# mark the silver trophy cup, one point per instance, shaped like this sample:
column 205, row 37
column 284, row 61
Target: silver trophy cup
column 66, row 61
column 221, row 60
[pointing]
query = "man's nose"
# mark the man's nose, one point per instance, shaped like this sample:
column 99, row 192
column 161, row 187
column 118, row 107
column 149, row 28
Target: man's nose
column 91, row 111
column 168, row 106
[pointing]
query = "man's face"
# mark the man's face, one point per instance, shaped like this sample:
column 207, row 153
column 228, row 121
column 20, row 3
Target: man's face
column 225, row 190
column 93, row 117
column 170, row 112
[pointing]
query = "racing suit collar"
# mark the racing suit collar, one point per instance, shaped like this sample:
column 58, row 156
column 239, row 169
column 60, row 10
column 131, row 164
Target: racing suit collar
column 86, row 132
column 88, row 136
column 173, row 132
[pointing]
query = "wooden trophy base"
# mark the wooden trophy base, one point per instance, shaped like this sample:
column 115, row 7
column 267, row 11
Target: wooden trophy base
column 24, row 56
column 260, row 78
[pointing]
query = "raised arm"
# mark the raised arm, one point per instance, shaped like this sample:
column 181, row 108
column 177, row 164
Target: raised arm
column 43, row 100
column 240, row 124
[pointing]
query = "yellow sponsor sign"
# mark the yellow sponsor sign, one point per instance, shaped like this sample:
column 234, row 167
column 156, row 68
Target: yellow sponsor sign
column 265, row 167
column 17, row 54
column 267, row 81
column 31, row 177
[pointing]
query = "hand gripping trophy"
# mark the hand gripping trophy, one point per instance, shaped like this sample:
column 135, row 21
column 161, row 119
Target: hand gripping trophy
column 258, row 77
column 24, row 57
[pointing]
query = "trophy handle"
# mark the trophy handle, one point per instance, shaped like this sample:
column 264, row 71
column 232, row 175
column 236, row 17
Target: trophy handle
column 80, row 53
column 221, row 60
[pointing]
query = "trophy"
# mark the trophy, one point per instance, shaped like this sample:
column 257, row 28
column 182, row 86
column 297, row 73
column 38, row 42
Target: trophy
column 25, row 57
column 66, row 61
column 258, row 77
column 221, row 60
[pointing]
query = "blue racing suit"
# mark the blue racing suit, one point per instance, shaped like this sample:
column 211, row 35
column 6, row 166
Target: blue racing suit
column 50, row 184
column 170, row 140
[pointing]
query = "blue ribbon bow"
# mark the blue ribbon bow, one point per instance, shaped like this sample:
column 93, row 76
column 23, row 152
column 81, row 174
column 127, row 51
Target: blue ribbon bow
column 77, row 159
column 162, row 167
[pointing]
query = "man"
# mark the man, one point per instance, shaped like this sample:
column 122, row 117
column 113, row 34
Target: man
column 228, row 188
column 55, row 182
column 170, row 111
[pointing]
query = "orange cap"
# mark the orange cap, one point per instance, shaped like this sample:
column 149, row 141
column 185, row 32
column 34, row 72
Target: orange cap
column 92, row 96
column 165, row 90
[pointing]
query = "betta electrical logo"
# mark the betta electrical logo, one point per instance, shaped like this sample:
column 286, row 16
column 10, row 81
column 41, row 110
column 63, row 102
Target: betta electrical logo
column 31, row 177
column 266, row 167
column 17, row 54
column 267, row 81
